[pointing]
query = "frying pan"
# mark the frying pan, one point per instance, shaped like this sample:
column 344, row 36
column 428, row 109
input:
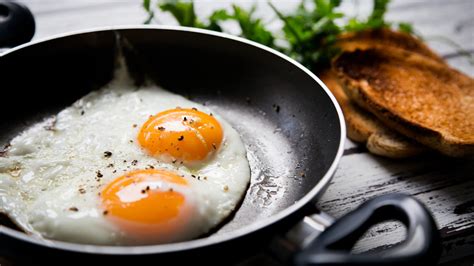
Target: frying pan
column 292, row 127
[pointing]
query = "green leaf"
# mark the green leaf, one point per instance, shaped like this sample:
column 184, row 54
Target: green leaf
column 406, row 27
column 220, row 14
column 216, row 17
column 146, row 5
column 311, row 31
column 379, row 10
column 151, row 13
column 183, row 12
column 252, row 28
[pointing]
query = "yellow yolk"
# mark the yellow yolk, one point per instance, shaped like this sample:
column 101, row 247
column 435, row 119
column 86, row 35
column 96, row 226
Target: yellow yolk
column 142, row 197
column 186, row 135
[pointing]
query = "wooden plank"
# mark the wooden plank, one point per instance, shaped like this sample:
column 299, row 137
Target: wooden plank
column 446, row 186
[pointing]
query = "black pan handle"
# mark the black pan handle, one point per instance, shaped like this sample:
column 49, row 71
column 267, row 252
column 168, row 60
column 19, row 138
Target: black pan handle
column 421, row 247
column 17, row 25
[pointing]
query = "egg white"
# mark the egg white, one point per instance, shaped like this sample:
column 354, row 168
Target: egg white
column 49, row 182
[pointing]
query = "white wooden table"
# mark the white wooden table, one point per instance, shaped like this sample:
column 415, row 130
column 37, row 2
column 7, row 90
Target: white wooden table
column 445, row 185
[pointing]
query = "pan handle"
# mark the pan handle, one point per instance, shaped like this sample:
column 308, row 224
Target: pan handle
column 421, row 247
column 17, row 25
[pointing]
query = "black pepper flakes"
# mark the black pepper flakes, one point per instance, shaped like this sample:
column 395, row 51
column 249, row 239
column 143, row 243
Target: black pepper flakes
column 193, row 176
column 147, row 188
column 214, row 146
column 110, row 165
column 99, row 174
column 82, row 112
column 161, row 128
column 151, row 166
column 143, row 191
column 131, row 141
column 194, row 108
column 134, row 125
column 105, row 212
column 174, row 161
column 82, row 190
column 134, row 162
column 276, row 108
column 181, row 138
column 5, row 149
column 107, row 154
column 185, row 119
column 74, row 209
column 170, row 190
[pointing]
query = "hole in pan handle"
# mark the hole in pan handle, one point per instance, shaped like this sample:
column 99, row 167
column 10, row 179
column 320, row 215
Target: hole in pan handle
column 17, row 25
column 332, row 247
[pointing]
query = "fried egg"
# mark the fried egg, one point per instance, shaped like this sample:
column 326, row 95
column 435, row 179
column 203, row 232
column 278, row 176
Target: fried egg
column 124, row 166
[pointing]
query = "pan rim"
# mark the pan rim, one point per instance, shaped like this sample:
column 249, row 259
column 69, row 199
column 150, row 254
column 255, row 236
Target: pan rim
column 203, row 242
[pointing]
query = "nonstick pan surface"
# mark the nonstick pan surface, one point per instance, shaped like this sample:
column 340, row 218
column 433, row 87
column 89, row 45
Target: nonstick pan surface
column 291, row 125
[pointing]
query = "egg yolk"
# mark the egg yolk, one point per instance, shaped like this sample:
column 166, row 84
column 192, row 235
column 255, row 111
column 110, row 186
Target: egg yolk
column 144, row 197
column 186, row 135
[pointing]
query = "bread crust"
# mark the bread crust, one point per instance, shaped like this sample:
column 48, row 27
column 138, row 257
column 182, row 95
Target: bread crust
column 364, row 127
column 385, row 37
column 389, row 144
column 419, row 97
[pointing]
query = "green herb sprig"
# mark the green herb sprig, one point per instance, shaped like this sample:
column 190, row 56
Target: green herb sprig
column 310, row 31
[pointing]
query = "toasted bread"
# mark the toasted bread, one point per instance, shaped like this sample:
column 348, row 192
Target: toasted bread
column 393, row 145
column 361, row 124
column 364, row 127
column 385, row 37
column 417, row 96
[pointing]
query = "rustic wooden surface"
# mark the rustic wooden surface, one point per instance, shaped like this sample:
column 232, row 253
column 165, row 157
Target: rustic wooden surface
column 445, row 185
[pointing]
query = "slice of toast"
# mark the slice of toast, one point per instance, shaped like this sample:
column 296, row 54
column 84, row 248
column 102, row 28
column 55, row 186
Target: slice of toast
column 364, row 127
column 417, row 96
column 361, row 124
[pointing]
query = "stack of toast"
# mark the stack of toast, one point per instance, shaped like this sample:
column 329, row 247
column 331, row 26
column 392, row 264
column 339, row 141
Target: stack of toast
column 399, row 97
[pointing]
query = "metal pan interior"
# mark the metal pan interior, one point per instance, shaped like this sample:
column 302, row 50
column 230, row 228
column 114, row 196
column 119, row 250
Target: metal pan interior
column 290, row 125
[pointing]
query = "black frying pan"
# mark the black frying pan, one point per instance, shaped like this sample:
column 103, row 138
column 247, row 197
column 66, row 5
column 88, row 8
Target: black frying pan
column 291, row 125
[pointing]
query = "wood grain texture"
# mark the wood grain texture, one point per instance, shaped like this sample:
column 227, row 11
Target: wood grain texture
column 445, row 185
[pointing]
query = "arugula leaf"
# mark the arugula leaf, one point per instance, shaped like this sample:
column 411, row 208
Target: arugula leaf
column 311, row 31
column 216, row 17
column 379, row 10
column 406, row 27
column 183, row 12
column 151, row 13
column 376, row 19
column 252, row 28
